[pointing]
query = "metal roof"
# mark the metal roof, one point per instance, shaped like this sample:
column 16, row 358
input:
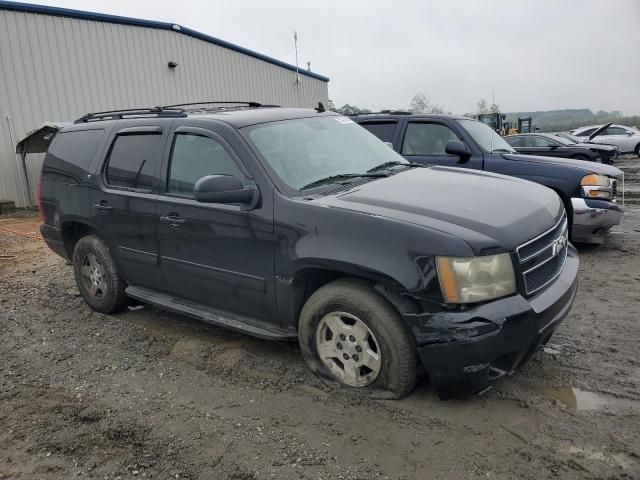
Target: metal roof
column 103, row 17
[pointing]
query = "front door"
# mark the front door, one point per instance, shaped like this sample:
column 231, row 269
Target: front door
column 425, row 142
column 215, row 254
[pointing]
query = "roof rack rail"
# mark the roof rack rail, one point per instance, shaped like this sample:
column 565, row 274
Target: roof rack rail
column 223, row 102
column 132, row 112
column 387, row 112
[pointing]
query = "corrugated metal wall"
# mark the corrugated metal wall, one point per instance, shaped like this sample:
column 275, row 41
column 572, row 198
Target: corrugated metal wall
column 56, row 69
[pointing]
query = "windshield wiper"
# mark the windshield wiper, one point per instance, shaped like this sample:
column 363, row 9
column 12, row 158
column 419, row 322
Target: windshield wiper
column 394, row 163
column 342, row 176
column 502, row 150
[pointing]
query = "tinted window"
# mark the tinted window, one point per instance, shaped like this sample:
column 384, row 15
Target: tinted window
column 585, row 133
column 427, row 139
column 71, row 154
column 615, row 131
column 383, row 130
column 535, row 141
column 133, row 160
column 195, row 156
column 514, row 141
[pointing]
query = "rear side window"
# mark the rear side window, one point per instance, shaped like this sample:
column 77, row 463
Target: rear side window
column 615, row 131
column 383, row 130
column 133, row 161
column 196, row 156
column 70, row 155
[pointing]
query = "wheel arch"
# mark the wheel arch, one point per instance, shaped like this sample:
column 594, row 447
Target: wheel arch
column 72, row 231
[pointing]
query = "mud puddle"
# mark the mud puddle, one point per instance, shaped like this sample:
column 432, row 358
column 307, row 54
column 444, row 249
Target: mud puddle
column 580, row 400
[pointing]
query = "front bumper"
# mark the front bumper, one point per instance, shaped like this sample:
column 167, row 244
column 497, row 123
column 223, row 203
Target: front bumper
column 465, row 351
column 592, row 219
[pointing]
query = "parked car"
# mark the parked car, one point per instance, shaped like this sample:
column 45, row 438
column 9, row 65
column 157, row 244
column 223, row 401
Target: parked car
column 588, row 190
column 295, row 224
column 627, row 139
column 550, row 145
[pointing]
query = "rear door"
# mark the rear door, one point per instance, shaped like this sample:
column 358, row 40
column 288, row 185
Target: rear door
column 218, row 255
column 424, row 141
column 124, row 207
column 539, row 145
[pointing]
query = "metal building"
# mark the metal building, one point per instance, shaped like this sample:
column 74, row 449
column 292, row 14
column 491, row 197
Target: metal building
column 57, row 64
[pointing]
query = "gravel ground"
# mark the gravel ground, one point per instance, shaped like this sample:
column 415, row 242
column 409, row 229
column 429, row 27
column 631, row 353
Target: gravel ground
column 155, row 395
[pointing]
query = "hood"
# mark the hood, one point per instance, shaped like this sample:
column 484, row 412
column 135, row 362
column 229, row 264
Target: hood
column 490, row 212
column 595, row 146
column 599, row 131
column 585, row 166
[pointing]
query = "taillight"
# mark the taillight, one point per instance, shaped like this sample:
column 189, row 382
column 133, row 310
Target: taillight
column 40, row 209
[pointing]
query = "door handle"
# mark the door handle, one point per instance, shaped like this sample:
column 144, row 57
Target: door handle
column 103, row 206
column 173, row 220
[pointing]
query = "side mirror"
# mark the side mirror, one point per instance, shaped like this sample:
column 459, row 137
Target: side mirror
column 224, row 189
column 630, row 133
column 459, row 149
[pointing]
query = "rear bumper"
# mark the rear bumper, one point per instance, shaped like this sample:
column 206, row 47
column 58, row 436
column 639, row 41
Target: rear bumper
column 53, row 238
column 592, row 219
column 464, row 352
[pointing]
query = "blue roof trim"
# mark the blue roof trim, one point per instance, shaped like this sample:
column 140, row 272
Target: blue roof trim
column 103, row 17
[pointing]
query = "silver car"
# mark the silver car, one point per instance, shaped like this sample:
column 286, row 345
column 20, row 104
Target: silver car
column 627, row 139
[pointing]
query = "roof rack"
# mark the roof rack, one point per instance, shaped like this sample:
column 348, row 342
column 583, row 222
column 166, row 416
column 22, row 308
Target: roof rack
column 386, row 112
column 170, row 111
column 131, row 113
column 225, row 102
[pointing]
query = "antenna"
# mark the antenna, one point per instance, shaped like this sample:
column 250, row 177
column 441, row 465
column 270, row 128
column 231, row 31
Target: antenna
column 295, row 45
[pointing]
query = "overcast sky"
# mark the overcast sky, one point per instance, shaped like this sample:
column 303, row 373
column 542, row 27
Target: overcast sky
column 536, row 54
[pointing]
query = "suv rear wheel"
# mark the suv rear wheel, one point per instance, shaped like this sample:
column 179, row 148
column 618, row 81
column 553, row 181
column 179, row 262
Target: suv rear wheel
column 352, row 337
column 97, row 277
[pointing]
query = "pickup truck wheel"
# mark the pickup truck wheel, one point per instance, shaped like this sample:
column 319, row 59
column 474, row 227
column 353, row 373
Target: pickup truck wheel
column 97, row 277
column 351, row 337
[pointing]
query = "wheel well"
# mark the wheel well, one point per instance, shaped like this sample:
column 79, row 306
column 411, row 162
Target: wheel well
column 308, row 281
column 72, row 232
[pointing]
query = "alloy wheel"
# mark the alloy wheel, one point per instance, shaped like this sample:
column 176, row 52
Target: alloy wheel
column 348, row 348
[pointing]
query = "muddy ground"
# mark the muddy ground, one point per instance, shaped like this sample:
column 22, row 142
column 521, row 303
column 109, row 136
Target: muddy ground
column 155, row 395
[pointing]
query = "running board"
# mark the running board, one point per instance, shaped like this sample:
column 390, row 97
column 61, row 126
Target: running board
column 210, row 315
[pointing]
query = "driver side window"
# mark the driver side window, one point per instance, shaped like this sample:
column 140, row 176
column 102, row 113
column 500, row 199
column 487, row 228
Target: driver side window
column 427, row 139
column 195, row 156
column 539, row 142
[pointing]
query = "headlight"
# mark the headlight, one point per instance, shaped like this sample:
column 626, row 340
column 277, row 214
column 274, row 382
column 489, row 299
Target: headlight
column 596, row 186
column 476, row 279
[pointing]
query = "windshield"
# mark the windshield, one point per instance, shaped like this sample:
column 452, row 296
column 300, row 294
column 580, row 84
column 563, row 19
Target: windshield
column 304, row 151
column 485, row 137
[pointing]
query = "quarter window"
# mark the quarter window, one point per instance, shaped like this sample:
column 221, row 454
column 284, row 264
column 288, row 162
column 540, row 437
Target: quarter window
column 383, row 130
column 427, row 139
column 196, row 156
column 133, row 161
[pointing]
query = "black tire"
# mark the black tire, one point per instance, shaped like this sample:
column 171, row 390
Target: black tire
column 97, row 276
column 398, row 360
column 637, row 150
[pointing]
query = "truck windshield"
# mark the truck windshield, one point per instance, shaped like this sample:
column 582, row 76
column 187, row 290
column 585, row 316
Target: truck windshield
column 488, row 140
column 311, row 152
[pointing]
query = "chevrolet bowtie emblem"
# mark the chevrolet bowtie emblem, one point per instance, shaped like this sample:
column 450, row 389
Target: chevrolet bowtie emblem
column 557, row 245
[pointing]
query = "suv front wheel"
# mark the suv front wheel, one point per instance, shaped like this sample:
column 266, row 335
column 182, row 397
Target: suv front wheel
column 97, row 277
column 351, row 336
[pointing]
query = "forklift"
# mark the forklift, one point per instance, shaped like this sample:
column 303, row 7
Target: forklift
column 526, row 125
column 495, row 120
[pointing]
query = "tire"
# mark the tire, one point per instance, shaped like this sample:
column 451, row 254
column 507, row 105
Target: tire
column 332, row 308
column 97, row 276
column 637, row 150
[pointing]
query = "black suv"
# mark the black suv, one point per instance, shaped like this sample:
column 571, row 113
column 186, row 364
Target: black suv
column 587, row 189
column 297, row 224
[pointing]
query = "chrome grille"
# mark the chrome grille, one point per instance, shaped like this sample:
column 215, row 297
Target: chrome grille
column 542, row 258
